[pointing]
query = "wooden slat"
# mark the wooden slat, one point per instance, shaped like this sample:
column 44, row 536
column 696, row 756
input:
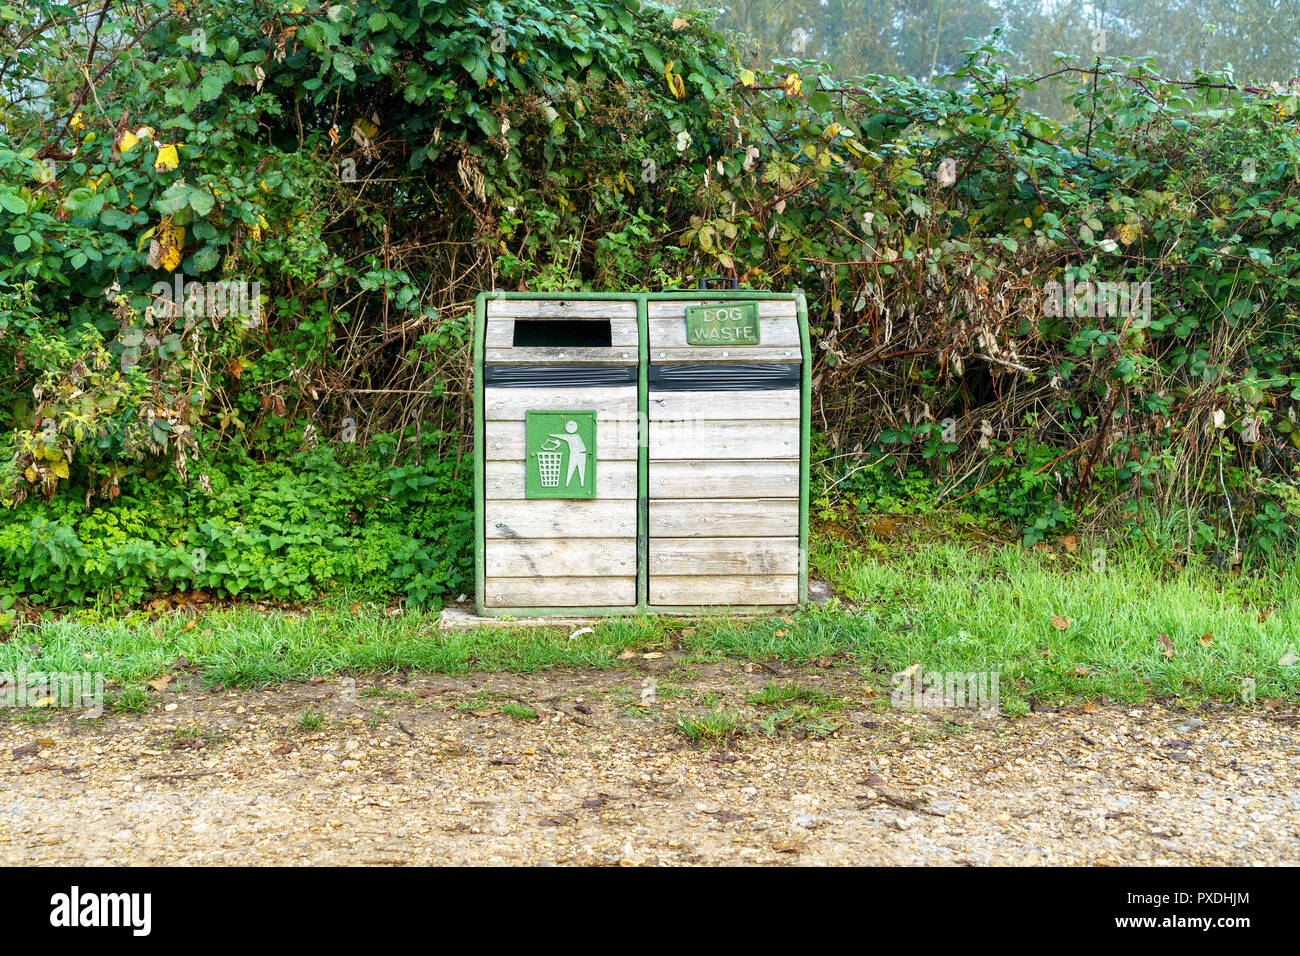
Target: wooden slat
column 510, row 404
column 560, row 557
column 724, row 518
column 559, row 592
column 705, row 355
column 614, row 479
column 676, row 309
column 556, row 518
column 501, row 333
column 666, row 590
column 710, row 439
column 560, row 356
column 723, row 556
column 763, row 478
column 671, row 333
column 559, row 309
column 616, row 439
column 773, row 404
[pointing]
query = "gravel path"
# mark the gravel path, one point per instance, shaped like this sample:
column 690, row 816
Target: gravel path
column 431, row 769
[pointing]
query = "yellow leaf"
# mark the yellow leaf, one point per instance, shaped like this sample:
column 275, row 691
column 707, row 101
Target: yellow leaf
column 1060, row 623
column 1029, row 223
column 746, row 77
column 128, row 140
column 676, row 85
column 792, row 85
column 168, row 159
column 60, row 469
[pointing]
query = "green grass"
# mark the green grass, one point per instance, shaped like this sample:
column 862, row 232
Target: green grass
column 714, row 728
column 799, row 720
column 949, row 608
column 518, row 711
column 774, row 694
column 132, row 700
column 310, row 720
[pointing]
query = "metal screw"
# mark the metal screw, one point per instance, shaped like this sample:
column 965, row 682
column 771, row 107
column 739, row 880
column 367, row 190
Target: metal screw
column 624, row 355
column 662, row 354
column 496, row 445
column 725, row 354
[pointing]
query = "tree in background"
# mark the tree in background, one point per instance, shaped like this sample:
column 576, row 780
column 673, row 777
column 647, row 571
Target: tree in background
column 1258, row 39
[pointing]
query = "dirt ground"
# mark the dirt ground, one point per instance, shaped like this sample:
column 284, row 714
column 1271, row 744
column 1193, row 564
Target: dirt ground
column 419, row 769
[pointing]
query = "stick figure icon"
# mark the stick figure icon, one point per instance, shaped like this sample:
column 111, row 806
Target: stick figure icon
column 577, row 453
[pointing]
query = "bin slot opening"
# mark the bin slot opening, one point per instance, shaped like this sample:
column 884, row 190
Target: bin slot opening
column 562, row 333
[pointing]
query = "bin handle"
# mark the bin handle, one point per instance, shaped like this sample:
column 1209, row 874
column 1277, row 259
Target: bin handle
column 735, row 283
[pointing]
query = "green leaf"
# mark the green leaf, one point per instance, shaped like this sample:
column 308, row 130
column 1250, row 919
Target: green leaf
column 12, row 202
column 820, row 101
column 200, row 200
column 173, row 200
column 652, row 57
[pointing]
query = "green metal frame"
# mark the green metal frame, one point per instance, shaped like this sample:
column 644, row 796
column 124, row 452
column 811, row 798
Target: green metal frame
column 642, row 299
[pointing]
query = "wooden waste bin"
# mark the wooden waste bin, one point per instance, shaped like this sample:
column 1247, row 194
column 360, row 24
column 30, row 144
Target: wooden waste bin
column 640, row 452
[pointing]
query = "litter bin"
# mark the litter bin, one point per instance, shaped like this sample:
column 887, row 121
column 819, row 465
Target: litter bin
column 640, row 452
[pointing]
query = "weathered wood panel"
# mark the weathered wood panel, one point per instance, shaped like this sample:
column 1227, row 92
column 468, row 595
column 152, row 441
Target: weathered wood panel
column 560, row 592
column 775, row 309
column 609, row 401
column 614, row 479
column 779, row 335
column 556, row 518
column 561, row 356
column 666, row 590
column 671, row 333
column 707, row 355
column 773, row 404
column 680, row 557
column 724, row 518
column 703, row 439
column 616, row 439
column 560, row 309
column 501, row 333
column 762, row 478
column 560, row 557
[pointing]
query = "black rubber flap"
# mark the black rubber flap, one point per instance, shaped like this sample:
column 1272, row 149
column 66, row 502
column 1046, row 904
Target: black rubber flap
column 558, row 376
column 724, row 378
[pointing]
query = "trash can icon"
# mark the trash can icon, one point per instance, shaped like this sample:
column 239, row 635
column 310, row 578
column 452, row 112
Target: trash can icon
column 548, row 465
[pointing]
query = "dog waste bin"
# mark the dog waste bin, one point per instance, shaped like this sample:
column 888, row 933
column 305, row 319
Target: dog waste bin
column 640, row 452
